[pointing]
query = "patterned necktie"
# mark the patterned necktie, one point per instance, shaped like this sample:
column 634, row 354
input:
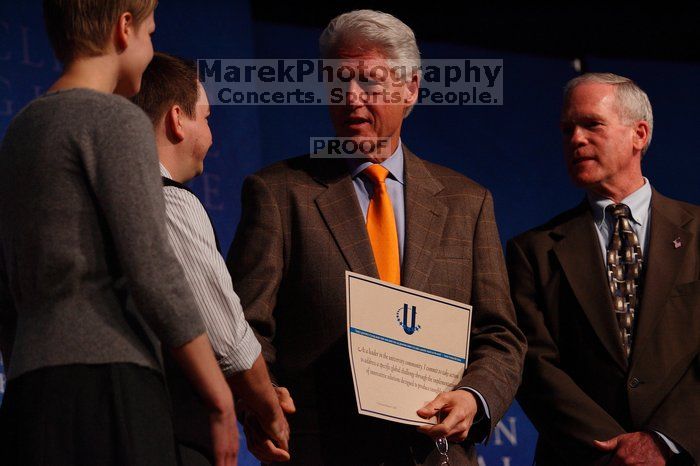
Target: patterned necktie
column 381, row 226
column 624, row 263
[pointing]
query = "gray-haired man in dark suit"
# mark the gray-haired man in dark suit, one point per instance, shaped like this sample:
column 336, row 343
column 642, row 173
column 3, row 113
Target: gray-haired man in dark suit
column 306, row 221
column 609, row 298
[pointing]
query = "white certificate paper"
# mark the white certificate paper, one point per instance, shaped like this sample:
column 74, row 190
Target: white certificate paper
column 405, row 347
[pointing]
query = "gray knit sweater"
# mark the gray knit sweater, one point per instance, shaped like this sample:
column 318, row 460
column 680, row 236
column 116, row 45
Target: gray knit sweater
column 82, row 226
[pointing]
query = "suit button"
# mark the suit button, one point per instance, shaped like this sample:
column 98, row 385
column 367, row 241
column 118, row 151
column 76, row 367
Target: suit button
column 634, row 382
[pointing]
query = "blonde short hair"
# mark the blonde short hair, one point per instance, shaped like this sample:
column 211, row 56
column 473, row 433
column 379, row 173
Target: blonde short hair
column 81, row 28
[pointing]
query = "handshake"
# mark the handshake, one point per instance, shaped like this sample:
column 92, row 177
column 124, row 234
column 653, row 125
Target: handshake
column 265, row 425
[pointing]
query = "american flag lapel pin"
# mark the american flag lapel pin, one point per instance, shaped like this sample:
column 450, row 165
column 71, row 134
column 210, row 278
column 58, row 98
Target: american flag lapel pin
column 677, row 243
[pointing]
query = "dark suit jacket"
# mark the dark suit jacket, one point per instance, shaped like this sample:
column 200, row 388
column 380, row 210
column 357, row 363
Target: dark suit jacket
column 301, row 229
column 578, row 386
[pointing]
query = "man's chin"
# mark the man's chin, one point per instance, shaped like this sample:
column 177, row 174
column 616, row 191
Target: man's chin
column 377, row 154
column 197, row 172
column 582, row 178
column 584, row 182
column 374, row 158
column 356, row 135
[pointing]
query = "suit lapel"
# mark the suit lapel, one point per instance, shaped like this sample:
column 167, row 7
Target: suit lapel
column 341, row 211
column 425, row 219
column 664, row 261
column 579, row 254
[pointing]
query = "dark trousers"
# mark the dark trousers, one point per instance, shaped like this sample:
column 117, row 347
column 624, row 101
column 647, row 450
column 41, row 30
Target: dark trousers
column 107, row 414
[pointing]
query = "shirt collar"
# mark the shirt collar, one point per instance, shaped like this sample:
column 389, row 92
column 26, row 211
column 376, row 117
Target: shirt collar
column 164, row 172
column 394, row 164
column 638, row 202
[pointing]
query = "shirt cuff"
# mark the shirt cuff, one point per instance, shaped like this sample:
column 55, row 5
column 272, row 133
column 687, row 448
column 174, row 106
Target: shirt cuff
column 484, row 405
column 672, row 446
column 483, row 414
column 241, row 357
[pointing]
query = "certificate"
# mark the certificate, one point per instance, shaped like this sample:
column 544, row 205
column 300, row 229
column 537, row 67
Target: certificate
column 405, row 347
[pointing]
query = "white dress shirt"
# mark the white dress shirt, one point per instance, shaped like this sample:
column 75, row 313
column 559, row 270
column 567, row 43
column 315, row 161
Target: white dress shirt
column 191, row 235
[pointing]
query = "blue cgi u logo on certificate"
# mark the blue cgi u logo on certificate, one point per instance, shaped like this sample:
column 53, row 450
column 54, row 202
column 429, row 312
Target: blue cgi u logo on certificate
column 407, row 319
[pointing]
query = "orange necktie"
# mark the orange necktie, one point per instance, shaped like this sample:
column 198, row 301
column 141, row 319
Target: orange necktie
column 381, row 226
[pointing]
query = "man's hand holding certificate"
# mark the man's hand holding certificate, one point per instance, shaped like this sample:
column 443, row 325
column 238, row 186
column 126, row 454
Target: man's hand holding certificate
column 408, row 351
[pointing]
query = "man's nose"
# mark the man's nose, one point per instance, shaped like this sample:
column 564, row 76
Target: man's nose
column 354, row 94
column 577, row 137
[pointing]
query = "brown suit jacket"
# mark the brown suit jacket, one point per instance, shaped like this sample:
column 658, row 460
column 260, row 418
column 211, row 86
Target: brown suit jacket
column 578, row 386
column 301, row 229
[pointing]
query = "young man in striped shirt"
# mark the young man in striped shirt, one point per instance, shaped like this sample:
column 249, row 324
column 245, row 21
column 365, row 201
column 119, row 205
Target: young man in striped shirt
column 178, row 107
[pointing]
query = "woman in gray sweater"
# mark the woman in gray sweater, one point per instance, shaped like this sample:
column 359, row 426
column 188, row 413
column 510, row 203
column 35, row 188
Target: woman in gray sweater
column 82, row 228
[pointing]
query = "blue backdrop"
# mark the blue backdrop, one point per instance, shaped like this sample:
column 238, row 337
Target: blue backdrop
column 513, row 149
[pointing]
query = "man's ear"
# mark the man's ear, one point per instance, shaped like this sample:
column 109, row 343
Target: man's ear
column 123, row 31
column 173, row 124
column 412, row 88
column 641, row 135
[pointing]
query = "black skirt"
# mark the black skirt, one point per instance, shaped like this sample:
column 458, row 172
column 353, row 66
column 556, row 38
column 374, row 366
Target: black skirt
column 107, row 414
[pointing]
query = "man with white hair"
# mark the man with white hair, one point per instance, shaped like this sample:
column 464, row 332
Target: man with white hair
column 388, row 214
column 608, row 295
